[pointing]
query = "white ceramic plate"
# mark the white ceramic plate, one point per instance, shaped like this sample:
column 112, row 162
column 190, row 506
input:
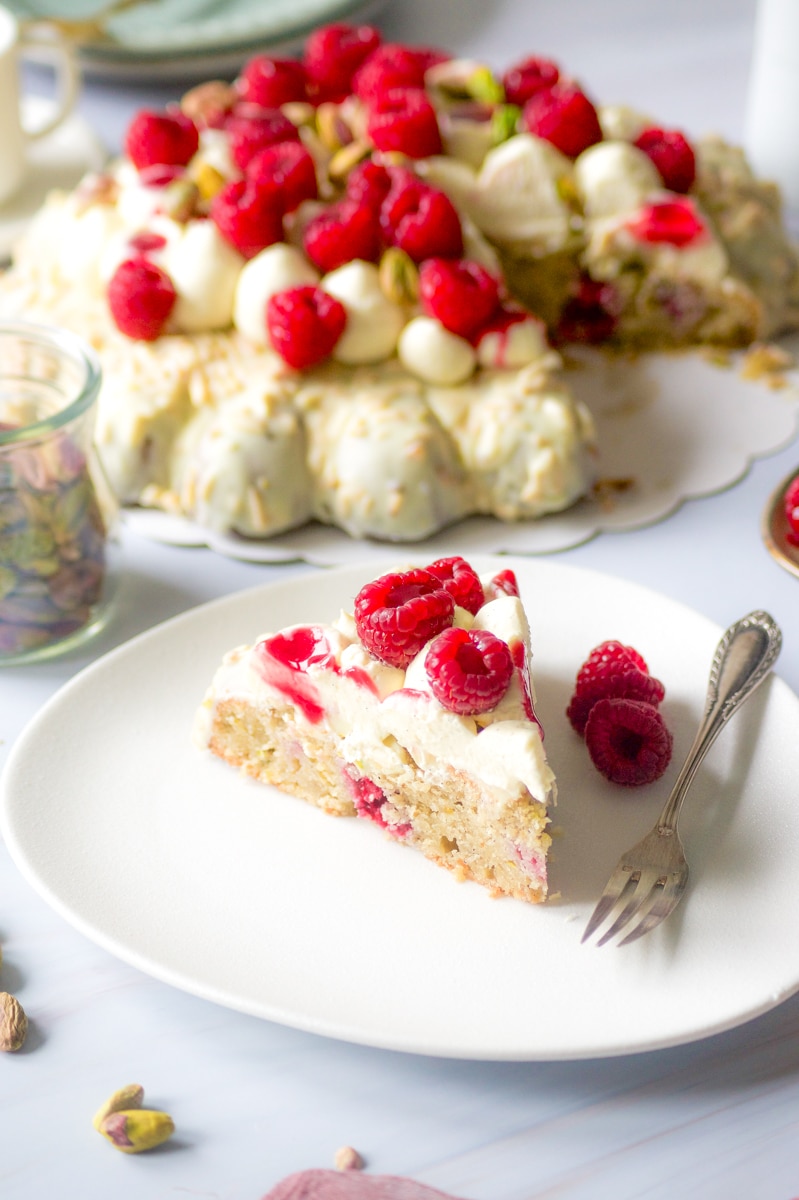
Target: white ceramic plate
column 677, row 426
column 257, row 901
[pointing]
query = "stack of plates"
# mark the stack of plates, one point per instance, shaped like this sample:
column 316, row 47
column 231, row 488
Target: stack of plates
column 174, row 39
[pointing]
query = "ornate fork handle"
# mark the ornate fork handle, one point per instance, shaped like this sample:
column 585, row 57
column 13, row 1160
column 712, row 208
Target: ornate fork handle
column 743, row 659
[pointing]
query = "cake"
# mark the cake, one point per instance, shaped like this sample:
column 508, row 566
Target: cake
column 415, row 712
column 339, row 288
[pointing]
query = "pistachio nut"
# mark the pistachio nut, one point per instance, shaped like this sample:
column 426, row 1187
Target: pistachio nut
column 125, row 1098
column 399, row 276
column 345, row 159
column 133, row 1130
column 13, row 1022
column 333, row 130
column 504, row 122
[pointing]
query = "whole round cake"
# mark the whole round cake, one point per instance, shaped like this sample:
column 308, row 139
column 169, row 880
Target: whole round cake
column 331, row 289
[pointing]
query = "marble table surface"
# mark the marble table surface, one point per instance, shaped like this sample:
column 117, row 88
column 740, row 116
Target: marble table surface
column 254, row 1101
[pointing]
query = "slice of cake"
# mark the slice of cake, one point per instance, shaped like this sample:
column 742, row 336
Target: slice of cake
column 415, row 712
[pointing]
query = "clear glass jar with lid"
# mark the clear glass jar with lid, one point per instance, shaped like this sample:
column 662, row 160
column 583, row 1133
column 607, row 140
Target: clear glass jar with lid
column 58, row 517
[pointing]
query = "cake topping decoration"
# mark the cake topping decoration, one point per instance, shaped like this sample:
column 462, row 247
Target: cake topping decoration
column 469, row 670
column 397, row 614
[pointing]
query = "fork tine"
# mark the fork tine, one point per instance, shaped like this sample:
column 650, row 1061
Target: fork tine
column 663, row 904
column 645, row 882
column 614, row 890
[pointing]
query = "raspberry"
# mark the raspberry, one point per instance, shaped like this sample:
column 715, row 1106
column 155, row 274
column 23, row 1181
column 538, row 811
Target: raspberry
column 369, row 183
column 291, row 168
column 342, row 232
column 393, row 66
column 404, row 121
column 504, row 583
column 333, row 55
column 304, row 324
column 270, row 82
column 251, row 129
column 249, row 215
column 421, row 220
column 590, row 315
column 791, row 509
column 528, row 77
column 611, row 670
column 564, row 116
column 459, row 293
column 672, row 155
column 160, row 175
column 145, row 242
column 469, row 670
column 161, row 138
column 141, row 297
column 628, row 741
column 397, row 614
column 460, row 580
column 673, row 221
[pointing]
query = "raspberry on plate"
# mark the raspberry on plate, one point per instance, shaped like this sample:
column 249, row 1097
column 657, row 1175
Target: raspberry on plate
column 141, row 297
column 628, row 741
column 344, row 231
column 611, row 671
column 168, row 138
column 270, row 82
column 251, row 129
column 290, row 166
column 304, row 324
column 249, row 215
column 526, row 78
column 460, row 580
column 672, row 155
column 459, row 293
column 468, row 670
column 564, row 116
column 791, row 510
column 397, row 614
column 421, row 220
column 333, row 55
column 403, row 121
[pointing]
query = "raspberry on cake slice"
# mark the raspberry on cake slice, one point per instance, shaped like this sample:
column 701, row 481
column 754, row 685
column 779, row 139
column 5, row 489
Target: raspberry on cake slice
column 415, row 712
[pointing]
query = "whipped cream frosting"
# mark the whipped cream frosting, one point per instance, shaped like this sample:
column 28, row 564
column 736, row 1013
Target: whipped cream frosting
column 329, row 678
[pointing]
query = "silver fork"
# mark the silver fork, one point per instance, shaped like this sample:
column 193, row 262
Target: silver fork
column 650, row 878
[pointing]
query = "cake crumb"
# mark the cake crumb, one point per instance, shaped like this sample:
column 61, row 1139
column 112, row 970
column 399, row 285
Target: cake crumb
column 348, row 1159
column 767, row 363
column 605, row 491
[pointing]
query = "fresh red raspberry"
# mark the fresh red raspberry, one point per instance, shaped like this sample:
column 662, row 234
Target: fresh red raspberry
column 393, row 66
column 141, row 297
column 304, row 324
column 459, row 293
column 611, row 670
column 674, row 221
column 369, row 183
column 672, row 155
column 564, row 116
column 421, row 220
column 590, row 315
column 529, row 76
column 160, row 175
column 342, row 232
column 270, row 82
column 397, row 614
column 404, row 121
column 251, row 129
column 628, row 741
column 460, row 580
column 249, row 215
column 333, row 55
column 504, row 583
column 168, row 137
column 469, row 670
column 791, row 509
column 288, row 166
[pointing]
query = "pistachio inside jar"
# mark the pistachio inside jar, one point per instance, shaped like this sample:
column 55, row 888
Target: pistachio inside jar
column 57, row 514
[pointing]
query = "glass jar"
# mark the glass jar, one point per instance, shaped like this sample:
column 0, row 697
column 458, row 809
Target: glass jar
column 57, row 514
